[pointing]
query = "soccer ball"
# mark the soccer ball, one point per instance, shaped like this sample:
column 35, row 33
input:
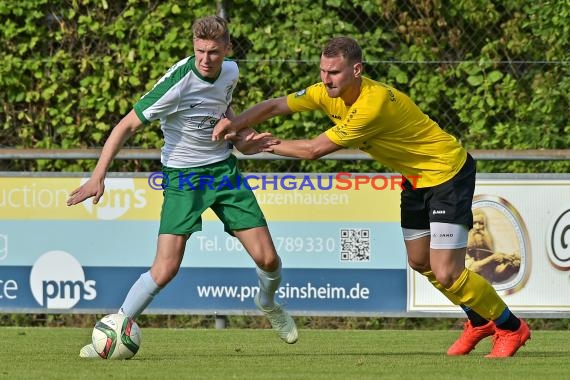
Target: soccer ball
column 116, row 336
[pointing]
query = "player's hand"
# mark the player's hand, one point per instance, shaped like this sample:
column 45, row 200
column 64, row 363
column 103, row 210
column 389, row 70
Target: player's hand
column 249, row 142
column 224, row 130
column 89, row 189
column 264, row 142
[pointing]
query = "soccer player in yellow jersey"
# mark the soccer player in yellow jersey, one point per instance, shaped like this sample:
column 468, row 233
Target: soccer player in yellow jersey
column 435, row 215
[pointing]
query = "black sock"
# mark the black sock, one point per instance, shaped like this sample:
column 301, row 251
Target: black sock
column 512, row 323
column 475, row 319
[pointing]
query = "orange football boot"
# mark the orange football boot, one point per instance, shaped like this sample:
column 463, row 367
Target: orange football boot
column 470, row 337
column 506, row 343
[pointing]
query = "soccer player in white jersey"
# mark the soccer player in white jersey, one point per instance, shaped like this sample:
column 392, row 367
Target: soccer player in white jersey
column 189, row 100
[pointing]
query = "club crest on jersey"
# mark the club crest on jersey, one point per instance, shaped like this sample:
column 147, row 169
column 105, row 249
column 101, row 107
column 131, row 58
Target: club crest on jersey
column 301, row 93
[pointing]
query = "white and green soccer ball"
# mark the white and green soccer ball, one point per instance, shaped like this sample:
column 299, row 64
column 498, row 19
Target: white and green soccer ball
column 116, row 336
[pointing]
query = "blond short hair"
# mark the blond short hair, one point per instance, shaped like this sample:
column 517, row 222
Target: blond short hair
column 211, row 28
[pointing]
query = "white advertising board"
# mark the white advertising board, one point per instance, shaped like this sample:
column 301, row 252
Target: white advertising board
column 520, row 243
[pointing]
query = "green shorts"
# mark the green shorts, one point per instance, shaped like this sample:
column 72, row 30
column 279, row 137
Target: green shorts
column 190, row 191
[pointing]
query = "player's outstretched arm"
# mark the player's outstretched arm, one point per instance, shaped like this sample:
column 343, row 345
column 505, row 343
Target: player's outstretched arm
column 306, row 149
column 227, row 129
column 95, row 186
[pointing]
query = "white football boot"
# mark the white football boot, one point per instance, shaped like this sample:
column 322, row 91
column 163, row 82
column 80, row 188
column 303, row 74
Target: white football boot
column 281, row 321
column 88, row 351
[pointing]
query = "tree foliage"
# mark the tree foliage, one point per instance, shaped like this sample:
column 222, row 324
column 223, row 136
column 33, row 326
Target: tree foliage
column 495, row 74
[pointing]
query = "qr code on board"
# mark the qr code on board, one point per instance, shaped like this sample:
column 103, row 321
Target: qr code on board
column 355, row 244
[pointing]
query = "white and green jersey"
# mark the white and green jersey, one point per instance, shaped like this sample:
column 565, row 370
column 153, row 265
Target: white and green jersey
column 188, row 106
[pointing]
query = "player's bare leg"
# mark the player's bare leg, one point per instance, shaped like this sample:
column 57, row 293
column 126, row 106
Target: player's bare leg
column 169, row 254
column 257, row 241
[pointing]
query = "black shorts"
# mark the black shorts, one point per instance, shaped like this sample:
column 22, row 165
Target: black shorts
column 449, row 202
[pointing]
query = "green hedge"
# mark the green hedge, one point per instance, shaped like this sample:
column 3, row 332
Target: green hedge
column 244, row 321
column 496, row 75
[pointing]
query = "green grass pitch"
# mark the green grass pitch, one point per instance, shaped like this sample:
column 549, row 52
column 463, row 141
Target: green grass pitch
column 52, row 353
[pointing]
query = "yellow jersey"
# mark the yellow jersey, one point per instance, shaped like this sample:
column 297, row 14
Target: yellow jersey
column 390, row 127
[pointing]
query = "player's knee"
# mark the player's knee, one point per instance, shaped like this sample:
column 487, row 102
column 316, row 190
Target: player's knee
column 445, row 278
column 162, row 275
column 268, row 263
column 418, row 266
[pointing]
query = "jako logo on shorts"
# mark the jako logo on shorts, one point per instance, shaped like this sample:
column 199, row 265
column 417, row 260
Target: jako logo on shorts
column 120, row 195
column 57, row 281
